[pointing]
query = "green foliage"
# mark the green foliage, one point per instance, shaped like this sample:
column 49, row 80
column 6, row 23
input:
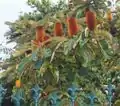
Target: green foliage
column 94, row 5
column 46, row 7
column 23, row 63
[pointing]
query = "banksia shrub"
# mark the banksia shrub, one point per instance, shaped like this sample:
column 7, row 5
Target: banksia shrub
column 40, row 33
column 58, row 29
column 18, row 83
column 72, row 26
column 91, row 20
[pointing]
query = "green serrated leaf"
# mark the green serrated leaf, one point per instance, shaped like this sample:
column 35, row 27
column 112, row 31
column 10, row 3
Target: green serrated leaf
column 104, row 48
column 104, row 44
column 68, row 46
column 23, row 63
column 47, row 52
column 83, row 42
column 80, row 14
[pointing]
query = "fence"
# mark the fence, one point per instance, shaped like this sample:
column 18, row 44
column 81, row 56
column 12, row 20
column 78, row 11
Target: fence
column 54, row 99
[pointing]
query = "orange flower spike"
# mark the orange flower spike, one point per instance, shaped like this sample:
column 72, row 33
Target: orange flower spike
column 58, row 29
column 72, row 26
column 18, row 83
column 109, row 16
column 40, row 33
column 91, row 20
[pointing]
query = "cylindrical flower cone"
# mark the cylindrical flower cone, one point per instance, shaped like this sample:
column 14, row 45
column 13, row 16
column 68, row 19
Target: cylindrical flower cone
column 40, row 33
column 58, row 29
column 91, row 20
column 72, row 26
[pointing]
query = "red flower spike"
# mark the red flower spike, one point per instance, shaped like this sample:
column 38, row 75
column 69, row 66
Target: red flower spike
column 72, row 26
column 40, row 33
column 91, row 20
column 58, row 29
